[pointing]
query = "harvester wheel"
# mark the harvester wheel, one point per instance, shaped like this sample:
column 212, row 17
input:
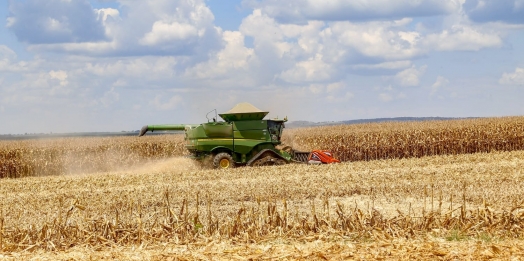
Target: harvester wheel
column 223, row 161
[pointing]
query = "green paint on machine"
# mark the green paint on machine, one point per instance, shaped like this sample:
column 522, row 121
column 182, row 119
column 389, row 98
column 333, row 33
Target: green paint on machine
column 243, row 138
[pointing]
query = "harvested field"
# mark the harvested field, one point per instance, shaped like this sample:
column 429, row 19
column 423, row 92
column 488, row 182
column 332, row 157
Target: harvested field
column 448, row 207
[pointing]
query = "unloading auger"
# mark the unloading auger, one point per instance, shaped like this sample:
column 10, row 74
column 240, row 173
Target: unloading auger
column 243, row 138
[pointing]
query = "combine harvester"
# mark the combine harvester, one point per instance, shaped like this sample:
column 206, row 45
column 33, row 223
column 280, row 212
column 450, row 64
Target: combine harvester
column 243, row 138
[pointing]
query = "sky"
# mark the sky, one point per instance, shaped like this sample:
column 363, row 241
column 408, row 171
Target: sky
column 116, row 65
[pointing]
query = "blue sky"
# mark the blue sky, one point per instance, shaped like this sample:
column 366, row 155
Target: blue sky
column 73, row 66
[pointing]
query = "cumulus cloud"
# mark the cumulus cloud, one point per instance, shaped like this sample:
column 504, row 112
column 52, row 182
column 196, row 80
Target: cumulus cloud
column 164, row 32
column 313, row 70
column 343, row 97
column 182, row 25
column 509, row 11
column 515, row 78
column 234, row 61
column 335, row 92
column 386, row 39
column 161, row 27
column 296, row 11
column 55, row 21
column 110, row 97
column 164, row 104
column 61, row 76
column 439, row 83
column 462, row 38
column 410, row 76
column 385, row 97
column 6, row 54
column 306, row 55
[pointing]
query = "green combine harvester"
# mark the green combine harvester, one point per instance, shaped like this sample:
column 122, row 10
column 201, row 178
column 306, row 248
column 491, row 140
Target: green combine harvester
column 243, row 138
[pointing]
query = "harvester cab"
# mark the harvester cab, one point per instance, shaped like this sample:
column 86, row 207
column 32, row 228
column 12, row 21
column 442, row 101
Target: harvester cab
column 243, row 138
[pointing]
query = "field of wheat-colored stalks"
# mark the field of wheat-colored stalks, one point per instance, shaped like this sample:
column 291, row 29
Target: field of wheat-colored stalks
column 451, row 207
column 357, row 142
column 61, row 156
column 393, row 140
column 137, row 198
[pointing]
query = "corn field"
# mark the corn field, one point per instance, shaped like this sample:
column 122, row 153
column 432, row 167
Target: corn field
column 396, row 140
column 61, row 156
column 358, row 142
column 142, row 200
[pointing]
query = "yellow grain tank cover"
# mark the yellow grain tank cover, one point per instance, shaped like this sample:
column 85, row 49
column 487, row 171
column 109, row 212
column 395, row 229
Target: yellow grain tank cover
column 243, row 112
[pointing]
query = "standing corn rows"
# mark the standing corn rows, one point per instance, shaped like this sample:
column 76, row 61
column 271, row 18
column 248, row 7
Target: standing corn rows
column 412, row 139
column 73, row 155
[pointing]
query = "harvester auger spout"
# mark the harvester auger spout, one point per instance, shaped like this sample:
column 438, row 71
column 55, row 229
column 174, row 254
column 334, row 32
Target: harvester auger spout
column 243, row 138
column 165, row 127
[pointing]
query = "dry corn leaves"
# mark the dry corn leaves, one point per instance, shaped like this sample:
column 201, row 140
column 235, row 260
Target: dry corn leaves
column 392, row 140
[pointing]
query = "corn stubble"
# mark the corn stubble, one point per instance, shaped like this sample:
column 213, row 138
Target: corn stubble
column 441, row 200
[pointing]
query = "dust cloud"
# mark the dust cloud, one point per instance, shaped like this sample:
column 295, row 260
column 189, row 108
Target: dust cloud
column 176, row 164
column 109, row 162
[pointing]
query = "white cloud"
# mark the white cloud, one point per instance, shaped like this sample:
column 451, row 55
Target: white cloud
column 154, row 68
column 508, row 11
column 167, row 104
column 333, row 87
column 59, row 75
column 232, row 61
column 164, row 33
column 55, row 21
column 516, row 78
column 385, row 97
column 410, row 76
column 343, row 97
column 439, row 83
column 110, row 97
column 387, row 39
column 311, row 70
column 6, row 54
column 385, row 65
column 105, row 13
column 159, row 27
column 462, row 38
column 301, row 10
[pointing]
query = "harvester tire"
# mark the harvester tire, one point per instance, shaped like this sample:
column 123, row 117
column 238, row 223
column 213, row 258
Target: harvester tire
column 223, row 161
